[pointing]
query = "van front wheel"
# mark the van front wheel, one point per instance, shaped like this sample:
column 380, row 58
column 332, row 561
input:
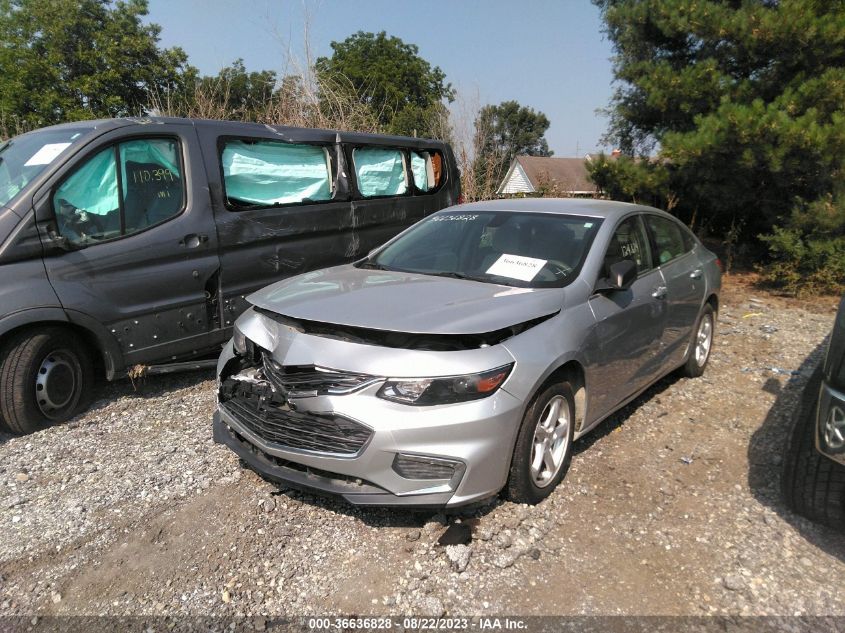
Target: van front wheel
column 46, row 377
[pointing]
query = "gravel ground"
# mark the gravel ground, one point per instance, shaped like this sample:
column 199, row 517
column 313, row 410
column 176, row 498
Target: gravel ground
column 670, row 508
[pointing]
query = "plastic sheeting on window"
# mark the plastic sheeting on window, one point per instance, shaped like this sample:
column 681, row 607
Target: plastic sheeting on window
column 157, row 161
column 380, row 172
column 93, row 186
column 152, row 184
column 420, row 166
column 271, row 172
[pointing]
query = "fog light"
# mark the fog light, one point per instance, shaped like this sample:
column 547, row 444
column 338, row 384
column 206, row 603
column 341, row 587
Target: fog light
column 417, row 467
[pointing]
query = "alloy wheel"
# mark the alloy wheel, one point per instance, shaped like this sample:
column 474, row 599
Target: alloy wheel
column 550, row 443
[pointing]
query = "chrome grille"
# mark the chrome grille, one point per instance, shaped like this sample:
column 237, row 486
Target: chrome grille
column 309, row 381
column 322, row 433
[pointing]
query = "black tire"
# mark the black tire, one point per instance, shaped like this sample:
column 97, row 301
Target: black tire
column 693, row 368
column 812, row 484
column 521, row 486
column 53, row 353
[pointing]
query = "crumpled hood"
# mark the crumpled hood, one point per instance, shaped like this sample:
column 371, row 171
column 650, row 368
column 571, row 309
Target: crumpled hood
column 405, row 302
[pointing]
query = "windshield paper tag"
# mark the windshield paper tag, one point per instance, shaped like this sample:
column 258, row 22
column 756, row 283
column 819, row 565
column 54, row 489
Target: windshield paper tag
column 516, row 267
column 46, row 154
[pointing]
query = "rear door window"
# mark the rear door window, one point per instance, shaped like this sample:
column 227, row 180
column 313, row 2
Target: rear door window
column 269, row 173
column 99, row 202
column 669, row 239
column 380, row 172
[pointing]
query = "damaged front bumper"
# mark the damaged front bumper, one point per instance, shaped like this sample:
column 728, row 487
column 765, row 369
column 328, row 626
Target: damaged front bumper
column 368, row 450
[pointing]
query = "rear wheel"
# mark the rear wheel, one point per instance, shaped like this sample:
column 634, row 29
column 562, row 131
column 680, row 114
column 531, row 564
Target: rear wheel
column 701, row 344
column 812, row 484
column 46, row 377
column 543, row 448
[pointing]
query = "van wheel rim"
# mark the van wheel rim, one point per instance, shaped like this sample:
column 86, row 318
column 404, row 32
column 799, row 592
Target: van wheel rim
column 703, row 340
column 551, row 441
column 56, row 383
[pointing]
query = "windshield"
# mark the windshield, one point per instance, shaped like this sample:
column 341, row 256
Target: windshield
column 24, row 157
column 534, row 250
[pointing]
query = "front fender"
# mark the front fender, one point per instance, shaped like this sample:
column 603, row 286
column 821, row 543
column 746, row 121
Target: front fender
column 104, row 343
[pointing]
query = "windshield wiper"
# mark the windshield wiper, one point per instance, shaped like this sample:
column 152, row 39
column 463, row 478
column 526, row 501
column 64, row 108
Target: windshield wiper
column 372, row 265
column 453, row 275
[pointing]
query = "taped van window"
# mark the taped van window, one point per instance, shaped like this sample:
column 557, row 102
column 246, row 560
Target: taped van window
column 426, row 168
column 421, row 168
column 380, row 172
column 267, row 173
column 99, row 202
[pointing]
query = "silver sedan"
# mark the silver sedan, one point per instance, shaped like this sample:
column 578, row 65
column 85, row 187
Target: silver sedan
column 465, row 356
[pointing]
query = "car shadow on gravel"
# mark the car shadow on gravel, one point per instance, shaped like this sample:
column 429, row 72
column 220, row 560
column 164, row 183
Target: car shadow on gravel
column 767, row 452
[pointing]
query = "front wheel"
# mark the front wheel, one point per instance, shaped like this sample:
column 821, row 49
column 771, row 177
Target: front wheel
column 701, row 344
column 543, row 448
column 46, row 377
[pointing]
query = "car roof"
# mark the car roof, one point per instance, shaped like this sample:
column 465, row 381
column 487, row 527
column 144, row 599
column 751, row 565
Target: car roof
column 242, row 127
column 608, row 209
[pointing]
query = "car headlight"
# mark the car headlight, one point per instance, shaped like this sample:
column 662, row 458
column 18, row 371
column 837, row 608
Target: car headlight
column 430, row 391
column 243, row 346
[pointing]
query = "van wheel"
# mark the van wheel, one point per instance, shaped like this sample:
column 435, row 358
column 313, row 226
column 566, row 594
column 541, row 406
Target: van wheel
column 701, row 344
column 812, row 485
column 46, row 377
column 544, row 445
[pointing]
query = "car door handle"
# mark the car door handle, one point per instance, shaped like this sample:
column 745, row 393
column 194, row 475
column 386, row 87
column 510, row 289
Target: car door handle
column 696, row 274
column 192, row 240
column 659, row 292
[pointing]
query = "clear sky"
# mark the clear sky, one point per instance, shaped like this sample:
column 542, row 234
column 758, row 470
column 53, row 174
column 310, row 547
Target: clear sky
column 547, row 54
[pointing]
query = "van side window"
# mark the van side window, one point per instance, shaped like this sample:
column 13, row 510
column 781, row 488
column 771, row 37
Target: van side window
column 629, row 241
column 98, row 202
column 268, row 173
column 668, row 238
column 427, row 168
column 380, row 172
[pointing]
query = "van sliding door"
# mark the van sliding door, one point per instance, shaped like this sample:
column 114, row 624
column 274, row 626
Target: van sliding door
column 282, row 207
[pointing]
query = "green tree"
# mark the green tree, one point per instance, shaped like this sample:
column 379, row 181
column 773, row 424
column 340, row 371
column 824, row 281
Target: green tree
column 504, row 131
column 64, row 60
column 744, row 99
column 631, row 180
column 403, row 90
column 242, row 95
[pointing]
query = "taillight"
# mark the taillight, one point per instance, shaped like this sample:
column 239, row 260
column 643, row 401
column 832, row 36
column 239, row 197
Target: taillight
column 719, row 264
column 461, row 199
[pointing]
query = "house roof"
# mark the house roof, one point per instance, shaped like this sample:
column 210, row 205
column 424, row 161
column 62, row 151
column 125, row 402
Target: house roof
column 565, row 174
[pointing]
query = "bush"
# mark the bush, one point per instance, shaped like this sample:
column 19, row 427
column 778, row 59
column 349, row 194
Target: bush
column 808, row 253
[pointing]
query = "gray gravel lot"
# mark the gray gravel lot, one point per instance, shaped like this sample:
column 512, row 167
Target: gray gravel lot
column 670, row 508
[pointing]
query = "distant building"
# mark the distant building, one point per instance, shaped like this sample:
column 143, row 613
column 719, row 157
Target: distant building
column 563, row 176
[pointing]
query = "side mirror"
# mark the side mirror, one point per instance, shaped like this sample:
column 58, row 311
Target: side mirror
column 623, row 274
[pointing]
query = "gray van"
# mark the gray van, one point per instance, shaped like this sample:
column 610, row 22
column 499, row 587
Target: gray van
column 128, row 245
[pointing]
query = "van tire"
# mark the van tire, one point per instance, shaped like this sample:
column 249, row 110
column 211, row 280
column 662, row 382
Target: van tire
column 812, row 485
column 46, row 377
column 521, row 486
